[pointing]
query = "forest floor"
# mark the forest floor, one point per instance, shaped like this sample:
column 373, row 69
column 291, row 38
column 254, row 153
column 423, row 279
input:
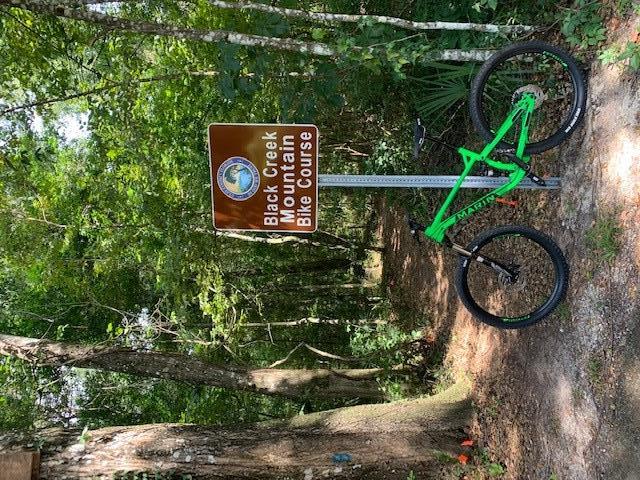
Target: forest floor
column 558, row 400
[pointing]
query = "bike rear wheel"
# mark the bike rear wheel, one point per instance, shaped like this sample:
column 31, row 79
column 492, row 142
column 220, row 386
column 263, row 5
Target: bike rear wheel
column 513, row 302
column 545, row 71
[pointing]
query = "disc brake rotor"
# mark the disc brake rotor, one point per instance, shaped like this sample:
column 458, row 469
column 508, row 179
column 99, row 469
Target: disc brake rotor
column 538, row 94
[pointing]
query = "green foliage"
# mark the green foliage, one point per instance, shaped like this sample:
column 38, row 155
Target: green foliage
column 582, row 25
column 118, row 399
column 384, row 342
column 493, row 469
column 496, row 470
column 443, row 378
column 492, row 4
column 18, row 394
column 441, row 88
column 603, row 237
column 85, row 436
column 389, row 156
column 629, row 54
column 107, row 238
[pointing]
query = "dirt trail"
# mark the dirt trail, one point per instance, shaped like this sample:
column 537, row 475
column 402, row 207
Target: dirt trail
column 561, row 398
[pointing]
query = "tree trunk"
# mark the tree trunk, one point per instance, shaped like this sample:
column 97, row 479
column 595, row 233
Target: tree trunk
column 324, row 265
column 250, row 40
column 276, row 239
column 300, row 383
column 384, row 441
column 342, row 17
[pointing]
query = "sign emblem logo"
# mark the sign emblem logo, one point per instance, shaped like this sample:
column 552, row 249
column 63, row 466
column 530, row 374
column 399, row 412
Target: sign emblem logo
column 238, row 178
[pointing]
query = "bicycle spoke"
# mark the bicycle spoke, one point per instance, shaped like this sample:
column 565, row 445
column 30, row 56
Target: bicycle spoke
column 507, row 297
column 534, row 69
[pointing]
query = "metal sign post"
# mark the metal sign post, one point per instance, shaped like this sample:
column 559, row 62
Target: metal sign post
column 426, row 181
column 264, row 177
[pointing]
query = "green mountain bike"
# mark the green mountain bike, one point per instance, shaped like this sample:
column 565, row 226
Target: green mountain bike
column 525, row 99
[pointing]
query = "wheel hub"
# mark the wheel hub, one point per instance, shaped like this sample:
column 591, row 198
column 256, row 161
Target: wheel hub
column 512, row 282
column 538, row 94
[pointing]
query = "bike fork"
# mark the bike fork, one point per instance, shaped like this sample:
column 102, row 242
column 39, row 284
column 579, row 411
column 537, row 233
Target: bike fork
column 488, row 262
column 417, row 230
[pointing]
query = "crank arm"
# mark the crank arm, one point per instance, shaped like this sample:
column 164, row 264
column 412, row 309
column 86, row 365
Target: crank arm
column 527, row 168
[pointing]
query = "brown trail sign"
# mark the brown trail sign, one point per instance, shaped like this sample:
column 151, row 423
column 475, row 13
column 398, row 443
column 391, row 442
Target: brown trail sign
column 264, row 177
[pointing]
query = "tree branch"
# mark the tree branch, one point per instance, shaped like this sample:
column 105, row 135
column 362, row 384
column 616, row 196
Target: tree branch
column 96, row 90
column 309, row 321
column 112, row 85
column 318, row 352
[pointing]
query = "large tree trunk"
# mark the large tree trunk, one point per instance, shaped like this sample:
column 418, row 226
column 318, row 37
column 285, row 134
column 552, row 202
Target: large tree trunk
column 384, row 441
column 300, row 383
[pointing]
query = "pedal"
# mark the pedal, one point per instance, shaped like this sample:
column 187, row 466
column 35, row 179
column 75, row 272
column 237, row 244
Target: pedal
column 536, row 179
column 416, row 229
column 527, row 168
column 485, row 171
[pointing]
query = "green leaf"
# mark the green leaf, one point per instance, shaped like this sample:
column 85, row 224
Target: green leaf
column 495, row 470
column 226, row 87
column 60, row 331
column 318, row 34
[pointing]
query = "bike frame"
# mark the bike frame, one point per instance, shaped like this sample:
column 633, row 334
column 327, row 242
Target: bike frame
column 523, row 108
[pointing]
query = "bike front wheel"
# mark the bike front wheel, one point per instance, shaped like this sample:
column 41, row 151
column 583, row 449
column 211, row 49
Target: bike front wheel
column 538, row 284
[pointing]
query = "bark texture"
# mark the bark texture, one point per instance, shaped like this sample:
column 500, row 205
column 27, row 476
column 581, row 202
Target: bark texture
column 116, row 23
column 319, row 383
column 350, row 18
column 384, row 441
column 394, row 21
column 287, row 44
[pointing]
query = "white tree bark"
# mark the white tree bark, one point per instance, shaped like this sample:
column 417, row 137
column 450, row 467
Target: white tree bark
column 245, row 39
column 394, row 21
column 350, row 18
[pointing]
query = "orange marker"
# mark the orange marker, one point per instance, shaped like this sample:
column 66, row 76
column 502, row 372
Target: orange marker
column 504, row 201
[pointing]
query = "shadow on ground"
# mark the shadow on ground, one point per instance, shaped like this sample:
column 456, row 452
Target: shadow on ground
column 559, row 398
